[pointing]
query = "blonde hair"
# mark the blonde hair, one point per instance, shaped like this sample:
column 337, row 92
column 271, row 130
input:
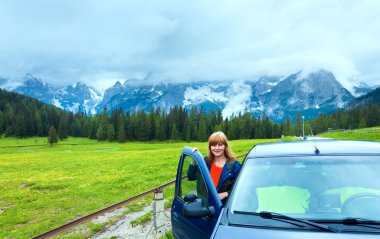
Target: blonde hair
column 219, row 138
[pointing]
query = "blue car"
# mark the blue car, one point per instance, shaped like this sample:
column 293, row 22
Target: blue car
column 304, row 189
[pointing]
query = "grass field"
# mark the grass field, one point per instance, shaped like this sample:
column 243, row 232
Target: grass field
column 44, row 187
column 361, row 134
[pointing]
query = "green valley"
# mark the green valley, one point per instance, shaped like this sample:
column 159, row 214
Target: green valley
column 44, row 187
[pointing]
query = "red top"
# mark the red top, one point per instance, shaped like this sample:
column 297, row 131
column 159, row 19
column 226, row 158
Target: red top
column 215, row 172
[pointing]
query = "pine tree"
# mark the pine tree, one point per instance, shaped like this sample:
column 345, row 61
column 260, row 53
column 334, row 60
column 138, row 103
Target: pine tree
column 298, row 126
column 1, row 123
column 202, row 129
column 188, row 134
column 121, row 137
column 211, row 121
column 132, row 126
column 157, row 128
column 52, row 139
column 53, row 118
column 101, row 133
column 76, row 128
column 288, row 127
column 219, row 116
column 92, row 134
column 267, row 127
column 193, row 124
column 174, row 133
column 373, row 116
column 39, row 126
column 63, row 128
column 163, row 127
column 114, row 119
column 19, row 126
column 153, row 119
column 29, row 122
column 276, row 131
column 111, row 132
column 143, row 126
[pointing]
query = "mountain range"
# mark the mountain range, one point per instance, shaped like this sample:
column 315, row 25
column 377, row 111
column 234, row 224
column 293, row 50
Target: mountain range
column 277, row 97
column 372, row 97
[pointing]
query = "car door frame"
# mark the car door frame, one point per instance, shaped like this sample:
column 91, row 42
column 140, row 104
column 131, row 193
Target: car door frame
column 185, row 227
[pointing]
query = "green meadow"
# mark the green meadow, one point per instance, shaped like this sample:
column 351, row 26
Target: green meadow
column 359, row 134
column 43, row 187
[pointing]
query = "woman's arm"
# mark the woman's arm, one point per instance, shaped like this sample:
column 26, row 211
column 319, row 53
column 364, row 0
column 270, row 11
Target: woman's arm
column 223, row 195
column 192, row 171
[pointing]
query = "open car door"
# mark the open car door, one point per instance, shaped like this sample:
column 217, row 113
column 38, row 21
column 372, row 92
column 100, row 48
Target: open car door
column 196, row 205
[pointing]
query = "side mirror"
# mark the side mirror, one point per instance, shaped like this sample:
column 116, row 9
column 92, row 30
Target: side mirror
column 195, row 209
column 190, row 197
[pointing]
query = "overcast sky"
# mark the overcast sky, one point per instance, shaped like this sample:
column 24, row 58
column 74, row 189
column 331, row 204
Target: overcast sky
column 101, row 41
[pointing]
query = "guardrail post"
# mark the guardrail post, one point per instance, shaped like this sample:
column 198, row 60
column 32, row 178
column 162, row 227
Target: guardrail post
column 158, row 213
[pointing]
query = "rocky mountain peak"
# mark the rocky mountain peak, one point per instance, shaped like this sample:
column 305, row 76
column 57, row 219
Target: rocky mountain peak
column 31, row 81
column 277, row 97
column 315, row 92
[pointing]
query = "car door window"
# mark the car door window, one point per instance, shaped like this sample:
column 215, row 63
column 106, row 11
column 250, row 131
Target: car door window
column 195, row 184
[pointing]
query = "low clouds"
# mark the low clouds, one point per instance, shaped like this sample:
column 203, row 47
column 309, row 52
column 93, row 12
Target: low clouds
column 99, row 42
column 239, row 98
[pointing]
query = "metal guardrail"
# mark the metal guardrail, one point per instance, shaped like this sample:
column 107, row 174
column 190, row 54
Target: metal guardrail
column 350, row 131
column 100, row 212
column 104, row 210
column 367, row 131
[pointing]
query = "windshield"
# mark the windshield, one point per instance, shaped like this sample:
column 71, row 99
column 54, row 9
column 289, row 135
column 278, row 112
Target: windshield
column 315, row 188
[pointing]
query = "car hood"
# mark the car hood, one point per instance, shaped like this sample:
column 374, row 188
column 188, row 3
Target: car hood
column 228, row 232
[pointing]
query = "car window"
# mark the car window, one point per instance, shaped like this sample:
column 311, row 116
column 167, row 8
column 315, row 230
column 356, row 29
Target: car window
column 192, row 184
column 322, row 187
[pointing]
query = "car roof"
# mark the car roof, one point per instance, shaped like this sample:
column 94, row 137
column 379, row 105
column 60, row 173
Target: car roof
column 315, row 147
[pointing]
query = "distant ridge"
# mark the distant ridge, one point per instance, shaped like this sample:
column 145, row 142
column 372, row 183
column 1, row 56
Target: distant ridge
column 372, row 97
column 277, row 97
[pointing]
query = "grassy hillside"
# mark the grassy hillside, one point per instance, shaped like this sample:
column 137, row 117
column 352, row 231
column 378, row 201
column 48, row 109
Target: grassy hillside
column 361, row 134
column 44, row 187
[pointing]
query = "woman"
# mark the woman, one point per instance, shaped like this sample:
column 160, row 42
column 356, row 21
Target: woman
column 221, row 163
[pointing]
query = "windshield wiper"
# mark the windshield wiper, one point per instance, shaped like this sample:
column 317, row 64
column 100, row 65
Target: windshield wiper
column 274, row 215
column 351, row 221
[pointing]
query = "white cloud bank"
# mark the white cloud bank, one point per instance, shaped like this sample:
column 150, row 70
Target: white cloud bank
column 99, row 42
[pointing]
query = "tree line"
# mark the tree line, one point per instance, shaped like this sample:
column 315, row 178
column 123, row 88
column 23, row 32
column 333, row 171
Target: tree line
column 23, row 116
column 360, row 117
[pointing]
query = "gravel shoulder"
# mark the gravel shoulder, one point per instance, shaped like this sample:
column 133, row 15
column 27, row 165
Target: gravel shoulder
column 124, row 229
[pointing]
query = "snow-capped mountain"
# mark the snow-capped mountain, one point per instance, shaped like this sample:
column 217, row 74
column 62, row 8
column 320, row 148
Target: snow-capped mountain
column 258, row 90
column 35, row 88
column 361, row 89
column 265, row 85
column 129, row 96
column 370, row 98
column 277, row 97
column 211, row 95
column 232, row 97
column 71, row 98
column 77, row 96
column 318, row 92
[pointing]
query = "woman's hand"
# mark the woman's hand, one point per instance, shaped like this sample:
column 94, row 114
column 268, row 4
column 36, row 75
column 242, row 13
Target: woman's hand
column 223, row 195
column 192, row 160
